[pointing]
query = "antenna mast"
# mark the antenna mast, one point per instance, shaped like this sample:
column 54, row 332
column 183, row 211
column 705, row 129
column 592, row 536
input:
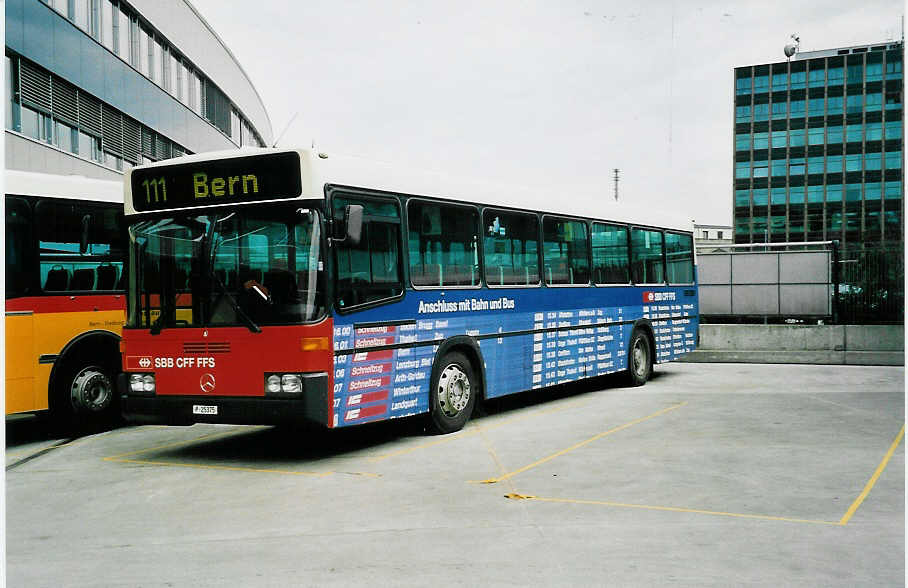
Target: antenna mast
column 292, row 118
column 616, row 170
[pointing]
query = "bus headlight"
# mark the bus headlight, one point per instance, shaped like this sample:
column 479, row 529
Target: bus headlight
column 142, row 383
column 283, row 384
column 291, row 384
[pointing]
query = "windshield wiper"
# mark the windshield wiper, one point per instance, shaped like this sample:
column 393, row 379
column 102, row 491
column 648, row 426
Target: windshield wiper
column 250, row 324
column 158, row 324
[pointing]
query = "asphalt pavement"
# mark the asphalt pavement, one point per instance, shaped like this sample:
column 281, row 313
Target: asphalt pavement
column 710, row 475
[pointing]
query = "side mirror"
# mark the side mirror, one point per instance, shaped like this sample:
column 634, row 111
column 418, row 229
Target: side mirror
column 83, row 240
column 353, row 223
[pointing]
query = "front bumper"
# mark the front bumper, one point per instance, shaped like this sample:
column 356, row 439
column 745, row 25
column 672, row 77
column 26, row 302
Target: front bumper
column 312, row 405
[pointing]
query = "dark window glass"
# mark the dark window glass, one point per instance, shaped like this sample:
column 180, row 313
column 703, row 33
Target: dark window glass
column 63, row 227
column 247, row 267
column 610, row 259
column 18, row 250
column 510, row 248
column 646, row 257
column 566, row 251
column 443, row 244
column 371, row 270
column 679, row 258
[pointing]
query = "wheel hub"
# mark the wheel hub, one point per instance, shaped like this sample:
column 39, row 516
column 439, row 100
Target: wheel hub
column 91, row 390
column 640, row 357
column 453, row 390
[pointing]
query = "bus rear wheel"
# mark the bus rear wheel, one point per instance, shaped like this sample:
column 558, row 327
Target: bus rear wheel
column 639, row 359
column 453, row 393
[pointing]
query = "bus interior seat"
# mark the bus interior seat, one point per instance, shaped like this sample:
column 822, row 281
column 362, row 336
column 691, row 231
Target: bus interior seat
column 57, row 278
column 107, row 276
column 247, row 273
column 179, row 279
column 281, row 285
column 83, row 279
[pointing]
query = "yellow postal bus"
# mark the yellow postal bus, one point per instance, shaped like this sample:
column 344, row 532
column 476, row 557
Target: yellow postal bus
column 64, row 295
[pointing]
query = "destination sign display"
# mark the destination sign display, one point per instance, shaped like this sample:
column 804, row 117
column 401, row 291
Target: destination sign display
column 272, row 176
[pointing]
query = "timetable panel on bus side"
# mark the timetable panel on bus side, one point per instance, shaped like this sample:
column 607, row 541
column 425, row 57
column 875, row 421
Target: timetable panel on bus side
column 528, row 339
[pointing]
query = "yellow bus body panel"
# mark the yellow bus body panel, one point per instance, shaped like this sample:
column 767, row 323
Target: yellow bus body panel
column 27, row 381
column 21, row 363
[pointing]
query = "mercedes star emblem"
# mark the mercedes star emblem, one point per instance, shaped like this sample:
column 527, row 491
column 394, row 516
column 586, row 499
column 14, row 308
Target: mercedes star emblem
column 206, row 383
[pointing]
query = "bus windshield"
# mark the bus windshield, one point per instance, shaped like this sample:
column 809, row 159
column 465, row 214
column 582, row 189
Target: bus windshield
column 245, row 267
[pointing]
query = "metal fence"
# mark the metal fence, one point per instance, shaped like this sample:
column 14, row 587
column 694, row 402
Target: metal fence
column 871, row 285
column 777, row 282
column 768, row 281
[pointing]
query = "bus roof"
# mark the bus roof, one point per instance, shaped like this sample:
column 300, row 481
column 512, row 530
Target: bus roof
column 24, row 183
column 320, row 169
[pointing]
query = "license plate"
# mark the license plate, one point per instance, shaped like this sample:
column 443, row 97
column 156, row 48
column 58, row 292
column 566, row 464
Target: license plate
column 202, row 409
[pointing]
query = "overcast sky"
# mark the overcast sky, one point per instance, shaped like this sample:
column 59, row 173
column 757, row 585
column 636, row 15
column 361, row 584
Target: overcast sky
column 551, row 95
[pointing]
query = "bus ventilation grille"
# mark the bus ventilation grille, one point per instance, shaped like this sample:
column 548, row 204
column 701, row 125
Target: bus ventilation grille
column 207, row 348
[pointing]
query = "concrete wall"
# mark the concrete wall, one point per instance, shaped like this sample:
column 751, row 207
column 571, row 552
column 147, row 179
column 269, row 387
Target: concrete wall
column 816, row 344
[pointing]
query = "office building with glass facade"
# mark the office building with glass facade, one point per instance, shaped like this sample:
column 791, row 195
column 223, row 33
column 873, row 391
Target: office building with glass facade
column 818, row 156
column 96, row 86
column 818, row 147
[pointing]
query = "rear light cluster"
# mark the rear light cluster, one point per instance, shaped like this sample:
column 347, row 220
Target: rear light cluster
column 142, row 383
column 283, row 384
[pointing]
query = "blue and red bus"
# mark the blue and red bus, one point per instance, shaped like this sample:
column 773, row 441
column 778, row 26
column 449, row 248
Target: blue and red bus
column 273, row 286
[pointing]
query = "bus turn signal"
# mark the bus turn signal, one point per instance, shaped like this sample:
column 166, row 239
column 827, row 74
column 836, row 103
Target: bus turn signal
column 314, row 344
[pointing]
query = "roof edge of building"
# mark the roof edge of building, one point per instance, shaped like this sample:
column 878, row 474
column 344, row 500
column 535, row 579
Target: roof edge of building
column 233, row 57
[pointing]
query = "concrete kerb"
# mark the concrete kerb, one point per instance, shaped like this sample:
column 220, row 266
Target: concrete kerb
column 811, row 344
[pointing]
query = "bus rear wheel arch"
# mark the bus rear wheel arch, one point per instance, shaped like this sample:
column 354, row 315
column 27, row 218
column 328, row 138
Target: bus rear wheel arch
column 453, row 393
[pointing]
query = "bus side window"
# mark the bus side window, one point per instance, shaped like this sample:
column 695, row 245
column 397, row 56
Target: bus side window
column 369, row 271
column 566, row 251
column 66, row 265
column 19, row 269
column 679, row 253
column 510, row 248
column 610, row 260
column 443, row 244
column 646, row 257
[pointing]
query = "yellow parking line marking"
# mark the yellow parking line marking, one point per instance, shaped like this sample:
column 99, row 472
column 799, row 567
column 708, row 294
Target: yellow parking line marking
column 581, row 444
column 876, row 475
column 672, row 509
column 476, row 431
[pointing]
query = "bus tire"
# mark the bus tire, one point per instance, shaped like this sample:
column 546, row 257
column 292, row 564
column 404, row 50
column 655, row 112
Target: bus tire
column 453, row 393
column 639, row 359
column 86, row 393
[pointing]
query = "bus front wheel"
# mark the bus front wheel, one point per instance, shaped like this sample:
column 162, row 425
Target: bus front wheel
column 639, row 359
column 86, row 394
column 453, row 393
